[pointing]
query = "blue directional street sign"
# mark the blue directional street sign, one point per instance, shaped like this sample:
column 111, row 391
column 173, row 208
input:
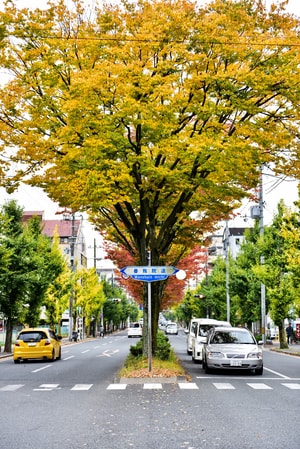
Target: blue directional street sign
column 148, row 273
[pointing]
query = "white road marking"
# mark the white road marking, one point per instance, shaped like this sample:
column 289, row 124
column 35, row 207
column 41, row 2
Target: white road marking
column 11, row 387
column 82, row 387
column 41, row 369
column 223, row 386
column 292, row 386
column 47, row 387
column 108, row 353
column 259, row 386
column 188, row 386
column 276, row 372
column 70, row 357
column 87, row 350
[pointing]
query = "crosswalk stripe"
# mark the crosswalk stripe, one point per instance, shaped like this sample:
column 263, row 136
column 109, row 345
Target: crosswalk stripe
column 11, row 387
column 259, row 386
column 292, row 386
column 223, row 386
column 81, row 387
column 47, row 387
column 188, row 386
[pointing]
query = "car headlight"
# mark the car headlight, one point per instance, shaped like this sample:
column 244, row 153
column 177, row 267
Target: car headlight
column 255, row 355
column 215, row 355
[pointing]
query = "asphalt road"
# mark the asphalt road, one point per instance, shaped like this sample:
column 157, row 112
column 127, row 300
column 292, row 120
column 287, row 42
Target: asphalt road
column 79, row 402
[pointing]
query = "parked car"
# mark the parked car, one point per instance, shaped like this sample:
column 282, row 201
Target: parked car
column 37, row 343
column 135, row 330
column 232, row 348
column 201, row 329
column 171, row 328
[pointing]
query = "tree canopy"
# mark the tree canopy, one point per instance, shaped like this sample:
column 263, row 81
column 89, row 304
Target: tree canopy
column 142, row 113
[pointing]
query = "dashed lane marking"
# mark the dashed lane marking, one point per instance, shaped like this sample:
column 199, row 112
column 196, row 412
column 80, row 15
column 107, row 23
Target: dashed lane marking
column 41, row 369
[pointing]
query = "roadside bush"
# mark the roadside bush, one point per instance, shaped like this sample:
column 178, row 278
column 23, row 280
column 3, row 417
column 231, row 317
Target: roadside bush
column 163, row 347
column 137, row 350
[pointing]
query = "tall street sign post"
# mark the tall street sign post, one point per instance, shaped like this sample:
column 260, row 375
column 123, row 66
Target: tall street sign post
column 150, row 274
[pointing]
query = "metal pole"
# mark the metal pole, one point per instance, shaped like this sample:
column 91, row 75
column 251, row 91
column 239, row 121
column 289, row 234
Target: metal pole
column 149, row 319
column 227, row 271
column 206, row 281
column 72, row 246
column 262, row 286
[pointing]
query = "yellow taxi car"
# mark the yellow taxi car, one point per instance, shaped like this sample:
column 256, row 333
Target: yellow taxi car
column 37, row 343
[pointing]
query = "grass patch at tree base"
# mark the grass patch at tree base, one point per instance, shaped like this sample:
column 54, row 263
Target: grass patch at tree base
column 163, row 364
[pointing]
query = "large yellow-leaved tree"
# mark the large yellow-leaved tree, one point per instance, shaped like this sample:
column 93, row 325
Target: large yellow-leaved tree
column 143, row 112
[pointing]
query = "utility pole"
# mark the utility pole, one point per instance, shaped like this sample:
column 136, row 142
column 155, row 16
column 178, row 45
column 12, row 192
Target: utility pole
column 262, row 285
column 149, row 318
column 72, row 264
column 227, row 270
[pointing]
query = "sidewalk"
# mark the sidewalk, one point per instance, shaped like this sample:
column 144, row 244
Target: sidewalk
column 293, row 349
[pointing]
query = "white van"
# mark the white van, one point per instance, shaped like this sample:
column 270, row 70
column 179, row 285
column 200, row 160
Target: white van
column 191, row 334
column 200, row 330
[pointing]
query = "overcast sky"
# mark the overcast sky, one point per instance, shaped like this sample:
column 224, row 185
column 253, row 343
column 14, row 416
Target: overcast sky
column 35, row 199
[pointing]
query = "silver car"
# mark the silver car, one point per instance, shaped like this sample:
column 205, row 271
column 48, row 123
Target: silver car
column 232, row 348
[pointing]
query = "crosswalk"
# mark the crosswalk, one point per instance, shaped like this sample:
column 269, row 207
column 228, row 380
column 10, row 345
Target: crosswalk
column 217, row 385
column 182, row 386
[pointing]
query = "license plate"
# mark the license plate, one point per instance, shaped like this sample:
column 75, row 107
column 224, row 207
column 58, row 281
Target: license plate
column 31, row 344
column 235, row 362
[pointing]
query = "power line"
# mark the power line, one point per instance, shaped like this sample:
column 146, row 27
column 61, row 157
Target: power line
column 152, row 40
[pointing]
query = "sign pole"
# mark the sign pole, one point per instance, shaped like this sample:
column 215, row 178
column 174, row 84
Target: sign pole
column 151, row 274
column 149, row 320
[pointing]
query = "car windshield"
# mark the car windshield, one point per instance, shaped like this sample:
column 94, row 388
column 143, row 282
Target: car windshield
column 134, row 325
column 32, row 336
column 172, row 325
column 232, row 337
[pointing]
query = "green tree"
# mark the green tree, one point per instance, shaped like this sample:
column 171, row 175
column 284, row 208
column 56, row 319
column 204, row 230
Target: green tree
column 58, row 297
column 89, row 297
column 245, row 286
column 13, row 272
column 28, row 265
column 141, row 113
column 275, row 274
column 45, row 264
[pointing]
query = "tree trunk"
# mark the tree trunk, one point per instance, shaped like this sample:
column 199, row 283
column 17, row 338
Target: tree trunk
column 282, row 337
column 8, row 338
column 157, row 289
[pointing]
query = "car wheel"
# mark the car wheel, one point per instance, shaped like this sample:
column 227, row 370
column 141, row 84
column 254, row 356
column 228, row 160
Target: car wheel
column 207, row 369
column 259, row 371
column 17, row 361
column 59, row 354
column 53, row 356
